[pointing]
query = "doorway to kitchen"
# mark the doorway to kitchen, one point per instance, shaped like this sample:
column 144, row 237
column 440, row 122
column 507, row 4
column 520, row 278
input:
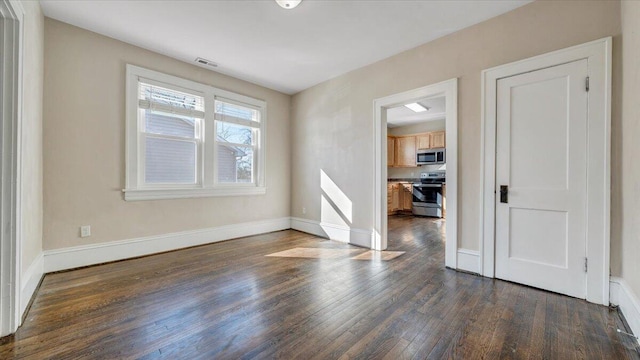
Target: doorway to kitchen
column 424, row 157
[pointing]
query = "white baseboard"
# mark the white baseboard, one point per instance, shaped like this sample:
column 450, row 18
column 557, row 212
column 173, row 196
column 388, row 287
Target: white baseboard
column 30, row 280
column 469, row 260
column 622, row 295
column 78, row 256
column 341, row 233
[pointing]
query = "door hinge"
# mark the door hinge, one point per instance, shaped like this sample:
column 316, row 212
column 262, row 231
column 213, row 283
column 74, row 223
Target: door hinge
column 587, row 84
column 585, row 264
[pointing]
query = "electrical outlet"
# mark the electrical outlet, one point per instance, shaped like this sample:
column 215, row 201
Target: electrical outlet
column 304, row 210
column 85, row 231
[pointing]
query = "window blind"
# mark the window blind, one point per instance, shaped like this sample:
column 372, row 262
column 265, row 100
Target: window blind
column 235, row 113
column 171, row 101
column 171, row 136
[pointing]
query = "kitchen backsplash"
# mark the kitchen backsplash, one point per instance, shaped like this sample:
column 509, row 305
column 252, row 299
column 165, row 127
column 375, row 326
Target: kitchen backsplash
column 413, row 172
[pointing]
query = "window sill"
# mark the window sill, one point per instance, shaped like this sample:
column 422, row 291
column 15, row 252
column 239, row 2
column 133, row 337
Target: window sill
column 162, row 194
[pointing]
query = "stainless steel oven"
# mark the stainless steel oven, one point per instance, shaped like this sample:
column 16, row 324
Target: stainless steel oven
column 427, row 194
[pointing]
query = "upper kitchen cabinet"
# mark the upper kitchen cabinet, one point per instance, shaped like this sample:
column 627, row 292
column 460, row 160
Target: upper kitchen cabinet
column 391, row 151
column 431, row 140
column 406, row 151
column 423, row 141
column 437, row 139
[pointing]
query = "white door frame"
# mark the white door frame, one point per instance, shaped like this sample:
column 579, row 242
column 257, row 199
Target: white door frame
column 598, row 55
column 448, row 89
column 11, row 21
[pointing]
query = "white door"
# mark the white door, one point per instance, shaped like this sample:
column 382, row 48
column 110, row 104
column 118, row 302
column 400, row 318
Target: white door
column 541, row 156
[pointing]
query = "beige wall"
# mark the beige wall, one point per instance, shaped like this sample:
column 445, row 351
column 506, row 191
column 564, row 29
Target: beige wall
column 629, row 215
column 333, row 122
column 84, row 132
column 33, row 70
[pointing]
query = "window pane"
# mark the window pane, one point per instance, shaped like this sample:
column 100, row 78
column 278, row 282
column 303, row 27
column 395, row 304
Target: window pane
column 236, row 111
column 235, row 164
column 170, row 161
column 169, row 124
column 233, row 133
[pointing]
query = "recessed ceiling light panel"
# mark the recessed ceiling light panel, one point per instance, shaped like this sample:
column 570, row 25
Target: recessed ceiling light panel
column 416, row 107
column 288, row 4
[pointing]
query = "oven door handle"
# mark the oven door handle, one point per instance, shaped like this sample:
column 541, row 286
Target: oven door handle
column 427, row 185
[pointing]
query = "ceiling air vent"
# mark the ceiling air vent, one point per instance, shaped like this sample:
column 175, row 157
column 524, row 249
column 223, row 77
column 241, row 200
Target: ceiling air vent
column 206, row 62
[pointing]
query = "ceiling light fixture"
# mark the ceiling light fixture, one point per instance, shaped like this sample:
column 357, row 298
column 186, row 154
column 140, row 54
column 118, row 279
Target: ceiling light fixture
column 417, row 107
column 288, row 4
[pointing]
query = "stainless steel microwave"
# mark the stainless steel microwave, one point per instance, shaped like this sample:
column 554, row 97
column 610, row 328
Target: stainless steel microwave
column 430, row 156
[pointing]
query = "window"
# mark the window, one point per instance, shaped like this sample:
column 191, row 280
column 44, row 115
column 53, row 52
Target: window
column 186, row 139
column 237, row 127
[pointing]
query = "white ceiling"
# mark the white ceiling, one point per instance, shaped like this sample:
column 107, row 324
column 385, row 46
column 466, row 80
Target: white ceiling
column 286, row 50
column 403, row 116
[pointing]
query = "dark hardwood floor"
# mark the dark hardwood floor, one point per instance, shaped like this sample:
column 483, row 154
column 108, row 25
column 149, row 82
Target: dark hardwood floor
column 230, row 301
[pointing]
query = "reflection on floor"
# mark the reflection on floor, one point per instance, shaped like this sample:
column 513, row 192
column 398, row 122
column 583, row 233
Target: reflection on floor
column 316, row 253
column 378, row 255
column 323, row 253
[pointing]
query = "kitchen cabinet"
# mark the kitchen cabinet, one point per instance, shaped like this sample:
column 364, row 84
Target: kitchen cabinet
column 437, row 139
column 407, row 197
column 395, row 198
column 405, row 151
column 423, row 141
column 391, row 151
column 430, row 140
column 399, row 197
column 401, row 150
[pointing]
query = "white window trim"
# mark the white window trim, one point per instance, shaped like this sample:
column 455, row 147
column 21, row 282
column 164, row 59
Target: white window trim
column 206, row 184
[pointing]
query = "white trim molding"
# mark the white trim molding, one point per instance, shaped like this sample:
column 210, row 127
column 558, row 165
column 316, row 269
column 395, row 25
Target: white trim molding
column 469, row 260
column 448, row 89
column 79, row 256
column 11, row 21
column 598, row 55
column 358, row 237
column 30, row 281
column 627, row 301
column 155, row 194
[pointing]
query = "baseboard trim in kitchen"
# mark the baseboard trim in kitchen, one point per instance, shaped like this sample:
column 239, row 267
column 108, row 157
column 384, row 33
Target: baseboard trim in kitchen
column 628, row 302
column 469, row 260
column 358, row 237
column 85, row 255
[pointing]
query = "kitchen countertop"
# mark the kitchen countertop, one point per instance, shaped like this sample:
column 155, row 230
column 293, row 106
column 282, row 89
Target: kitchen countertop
column 407, row 180
column 411, row 180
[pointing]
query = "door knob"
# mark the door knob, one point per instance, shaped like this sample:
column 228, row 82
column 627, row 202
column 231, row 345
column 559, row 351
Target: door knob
column 504, row 194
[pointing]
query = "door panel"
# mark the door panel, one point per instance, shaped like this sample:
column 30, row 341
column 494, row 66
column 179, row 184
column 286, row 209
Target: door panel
column 525, row 232
column 541, row 155
column 540, row 128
